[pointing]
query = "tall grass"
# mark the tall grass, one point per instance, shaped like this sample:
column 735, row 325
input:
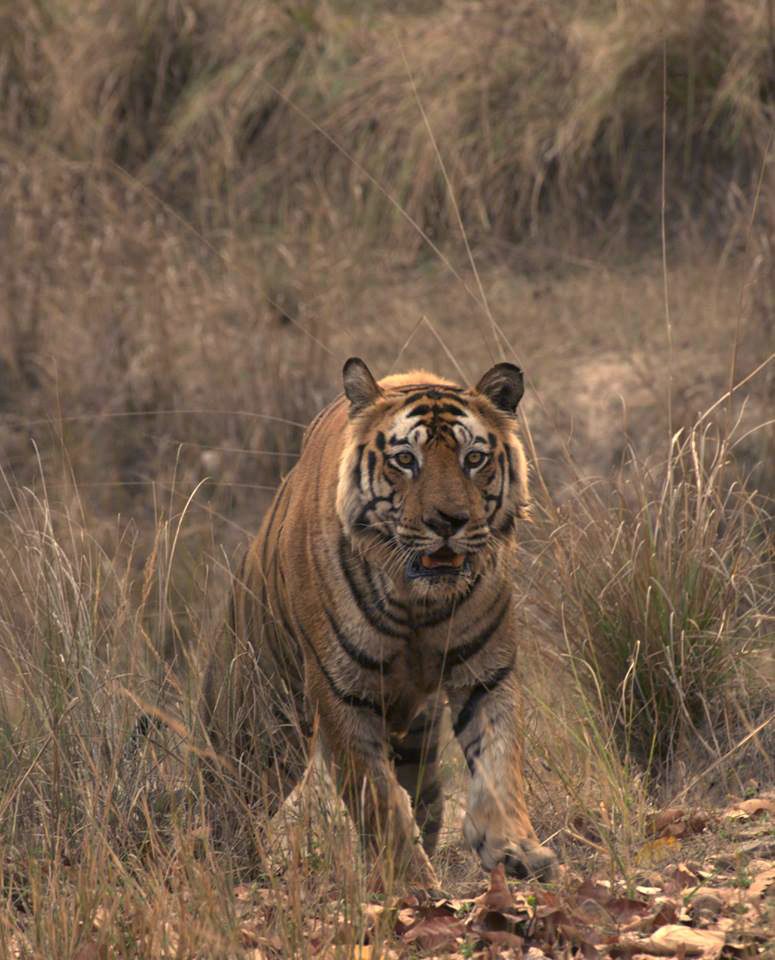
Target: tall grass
column 190, row 258
column 106, row 841
column 665, row 596
column 547, row 109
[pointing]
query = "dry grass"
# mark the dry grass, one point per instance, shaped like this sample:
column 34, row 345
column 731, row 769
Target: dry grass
column 664, row 584
column 205, row 209
column 546, row 109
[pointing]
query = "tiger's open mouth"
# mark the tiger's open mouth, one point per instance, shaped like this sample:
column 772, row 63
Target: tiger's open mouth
column 442, row 563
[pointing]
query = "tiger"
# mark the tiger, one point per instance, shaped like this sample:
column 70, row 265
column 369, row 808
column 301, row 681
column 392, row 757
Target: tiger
column 378, row 592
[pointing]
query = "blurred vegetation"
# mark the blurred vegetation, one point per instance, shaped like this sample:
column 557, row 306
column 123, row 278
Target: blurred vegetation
column 205, row 207
column 258, row 113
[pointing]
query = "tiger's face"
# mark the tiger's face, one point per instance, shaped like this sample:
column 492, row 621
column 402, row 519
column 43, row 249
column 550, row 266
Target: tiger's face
column 433, row 472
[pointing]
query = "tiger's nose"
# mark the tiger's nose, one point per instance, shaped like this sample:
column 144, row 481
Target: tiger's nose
column 445, row 524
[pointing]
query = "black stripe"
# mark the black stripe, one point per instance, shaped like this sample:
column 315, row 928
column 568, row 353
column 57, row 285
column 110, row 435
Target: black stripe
column 382, row 598
column 362, row 603
column 472, row 751
column 420, row 410
column 362, row 519
column 512, row 469
column 434, row 619
column 430, row 794
column 430, row 392
column 351, row 699
column 451, row 408
column 359, row 656
column 357, row 467
column 431, row 826
column 477, row 694
column 506, row 525
column 465, row 651
column 497, row 499
column 372, row 463
column 352, row 650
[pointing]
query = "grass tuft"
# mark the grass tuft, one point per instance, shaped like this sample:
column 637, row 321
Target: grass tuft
column 664, row 585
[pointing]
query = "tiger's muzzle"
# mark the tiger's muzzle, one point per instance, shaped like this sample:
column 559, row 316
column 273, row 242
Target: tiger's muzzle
column 440, row 564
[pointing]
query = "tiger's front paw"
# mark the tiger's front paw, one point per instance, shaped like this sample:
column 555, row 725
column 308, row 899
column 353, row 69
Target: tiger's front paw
column 523, row 859
column 528, row 859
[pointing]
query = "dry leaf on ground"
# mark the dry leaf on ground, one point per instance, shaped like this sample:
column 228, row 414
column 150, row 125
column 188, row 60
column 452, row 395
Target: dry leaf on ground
column 761, row 883
column 656, row 851
column 676, row 937
column 676, row 822
column 436, row 933
column 755, row 807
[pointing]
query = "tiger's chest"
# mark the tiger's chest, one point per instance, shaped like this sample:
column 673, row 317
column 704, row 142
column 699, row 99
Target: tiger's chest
column 414, row 677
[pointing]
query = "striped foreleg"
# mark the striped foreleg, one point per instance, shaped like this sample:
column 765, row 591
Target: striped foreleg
column 415, row 758
column 497, row 826
column 357, row 755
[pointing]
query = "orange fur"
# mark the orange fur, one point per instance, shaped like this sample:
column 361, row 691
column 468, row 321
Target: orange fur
column 378, row 589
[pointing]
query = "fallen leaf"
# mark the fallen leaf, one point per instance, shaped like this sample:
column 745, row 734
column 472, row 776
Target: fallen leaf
column 623, row 909
column 502, row 938
column 680, row 877
column 761, row 882
column 406, row 918
column 436, row 933
column 755, row 807
column 253, row 936
column 657, row 850
column 593, row 890
column 729, row 895
column 676, row 822
column 486, row 921
column 707, row 943
column 497, row 896
column 658, row 822
column 666, row 912
column 707, row 904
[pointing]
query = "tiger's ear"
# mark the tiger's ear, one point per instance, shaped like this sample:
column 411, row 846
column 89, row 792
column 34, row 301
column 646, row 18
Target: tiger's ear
column 503, row 385
column 360, row 387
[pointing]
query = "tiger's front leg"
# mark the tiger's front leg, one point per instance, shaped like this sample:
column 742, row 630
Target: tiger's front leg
column 486, row 721
column 356, row 751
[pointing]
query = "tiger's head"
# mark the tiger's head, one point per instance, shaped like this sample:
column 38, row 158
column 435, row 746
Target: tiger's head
column 433, row 472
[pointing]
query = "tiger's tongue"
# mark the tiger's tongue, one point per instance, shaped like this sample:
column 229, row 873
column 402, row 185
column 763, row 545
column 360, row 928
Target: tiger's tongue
column 442, row 558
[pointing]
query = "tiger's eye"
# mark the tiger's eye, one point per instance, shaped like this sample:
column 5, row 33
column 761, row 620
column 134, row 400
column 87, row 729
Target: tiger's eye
column 405, row 459
column 474, row 459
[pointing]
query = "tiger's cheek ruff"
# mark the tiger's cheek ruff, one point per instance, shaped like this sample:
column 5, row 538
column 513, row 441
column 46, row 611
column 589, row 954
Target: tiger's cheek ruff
column 366, row 499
